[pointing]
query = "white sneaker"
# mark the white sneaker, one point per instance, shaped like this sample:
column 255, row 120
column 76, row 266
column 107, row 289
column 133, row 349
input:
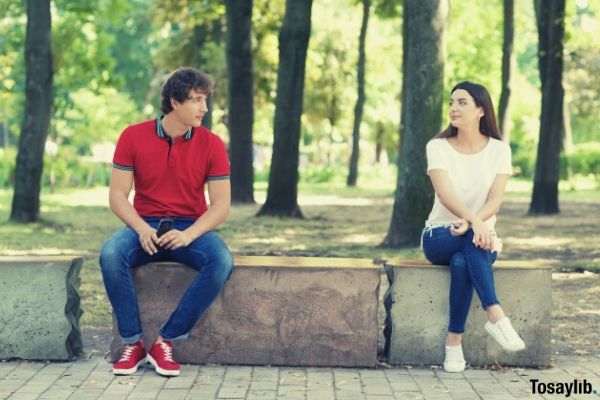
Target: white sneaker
column 454, row 360
column 504, row 333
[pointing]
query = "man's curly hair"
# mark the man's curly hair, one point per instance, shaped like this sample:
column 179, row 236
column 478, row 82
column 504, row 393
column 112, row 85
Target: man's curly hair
column 180, row 83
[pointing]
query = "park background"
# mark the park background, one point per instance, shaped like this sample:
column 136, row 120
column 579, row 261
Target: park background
column 109, row 58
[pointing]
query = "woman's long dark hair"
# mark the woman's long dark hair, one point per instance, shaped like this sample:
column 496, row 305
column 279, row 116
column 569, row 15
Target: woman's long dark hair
column 487, row 123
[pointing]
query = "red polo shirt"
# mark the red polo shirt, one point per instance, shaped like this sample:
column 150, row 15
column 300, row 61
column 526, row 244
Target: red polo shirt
column 169, row 175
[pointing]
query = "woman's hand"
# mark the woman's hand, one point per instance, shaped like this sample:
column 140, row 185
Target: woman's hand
column 482, row 235
column 459, row 228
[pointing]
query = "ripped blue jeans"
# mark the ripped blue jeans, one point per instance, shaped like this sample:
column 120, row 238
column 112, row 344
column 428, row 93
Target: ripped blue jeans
column 208, row 254
column 470, row 267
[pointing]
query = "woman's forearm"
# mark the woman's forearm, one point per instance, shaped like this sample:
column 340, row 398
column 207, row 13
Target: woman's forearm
column 445, row 192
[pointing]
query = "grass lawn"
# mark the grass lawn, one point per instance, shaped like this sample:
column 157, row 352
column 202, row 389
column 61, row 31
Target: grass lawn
column 340, row 222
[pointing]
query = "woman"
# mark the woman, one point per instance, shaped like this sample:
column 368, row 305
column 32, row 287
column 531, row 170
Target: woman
column 469, row 166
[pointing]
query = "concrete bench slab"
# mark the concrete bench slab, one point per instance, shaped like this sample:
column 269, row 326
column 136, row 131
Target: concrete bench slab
column 273, row 311
column 419, row 314
column 40, row 307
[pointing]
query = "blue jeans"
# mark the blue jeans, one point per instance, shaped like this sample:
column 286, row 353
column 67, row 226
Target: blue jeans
column 470, row 267
column 122, row 252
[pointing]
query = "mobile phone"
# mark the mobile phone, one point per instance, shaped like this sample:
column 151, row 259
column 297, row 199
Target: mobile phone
column 164, row 226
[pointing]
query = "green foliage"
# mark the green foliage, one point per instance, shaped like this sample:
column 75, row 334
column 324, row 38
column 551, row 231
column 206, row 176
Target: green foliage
column 474, row 44
column 582, row 69
column 583, row 159
column 318, row 174
column 12, row 82
column 7, row 167
column 95, row 117
column 111, row 56
column 67, row 170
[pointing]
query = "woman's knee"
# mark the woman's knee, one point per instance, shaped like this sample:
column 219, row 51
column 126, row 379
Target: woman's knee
column 458, row 263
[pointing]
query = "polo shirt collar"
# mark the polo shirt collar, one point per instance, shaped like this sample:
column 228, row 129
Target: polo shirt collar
column 160, row 131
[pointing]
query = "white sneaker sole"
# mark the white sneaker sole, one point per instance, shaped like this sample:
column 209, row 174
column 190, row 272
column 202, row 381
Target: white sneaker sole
column 159, row 370
column 514, row 347
column 454, row 368
column 128, row 371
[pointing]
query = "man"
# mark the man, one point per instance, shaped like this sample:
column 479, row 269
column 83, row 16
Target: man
column 169, row 159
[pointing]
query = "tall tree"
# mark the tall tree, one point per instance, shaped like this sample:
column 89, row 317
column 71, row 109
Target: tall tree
column 360, row 99
column 38, row 108
column 282, row 194
column 421, row 116
column 194, row 39
column 241, row 94
column 550, row 16
column 507, row 57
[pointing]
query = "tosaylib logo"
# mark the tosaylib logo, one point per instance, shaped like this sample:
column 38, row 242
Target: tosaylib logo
column 564, row 388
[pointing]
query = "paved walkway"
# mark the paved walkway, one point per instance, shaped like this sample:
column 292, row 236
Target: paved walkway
column 92, row 379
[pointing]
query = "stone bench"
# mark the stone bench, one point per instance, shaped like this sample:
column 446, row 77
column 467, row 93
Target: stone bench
column 40, row 307
column 303, row 311
column 418, row 305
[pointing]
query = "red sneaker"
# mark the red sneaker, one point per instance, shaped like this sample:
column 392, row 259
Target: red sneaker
column 161, row 356
column 132, row 356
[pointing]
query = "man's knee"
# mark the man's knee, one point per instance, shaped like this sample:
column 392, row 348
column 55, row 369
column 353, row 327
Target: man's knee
column 109, row 257
column 113, row 253
column 218, row 256
column 224, row 265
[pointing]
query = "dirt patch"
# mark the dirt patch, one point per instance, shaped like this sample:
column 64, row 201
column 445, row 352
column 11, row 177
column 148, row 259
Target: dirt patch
column 576, row 316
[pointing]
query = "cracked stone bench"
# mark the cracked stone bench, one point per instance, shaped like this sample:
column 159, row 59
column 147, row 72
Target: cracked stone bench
column 417, row 303
column 303, row 311
column 40, row 307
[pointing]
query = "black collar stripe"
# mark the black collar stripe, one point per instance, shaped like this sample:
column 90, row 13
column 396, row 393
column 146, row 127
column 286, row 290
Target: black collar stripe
column 160, row 131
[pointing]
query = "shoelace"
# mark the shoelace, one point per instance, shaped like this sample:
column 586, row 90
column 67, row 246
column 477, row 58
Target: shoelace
column 127, row 353
column 168, row 351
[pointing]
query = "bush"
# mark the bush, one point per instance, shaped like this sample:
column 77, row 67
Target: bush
column 67, row 170
column 318, row 174
column 583, row 160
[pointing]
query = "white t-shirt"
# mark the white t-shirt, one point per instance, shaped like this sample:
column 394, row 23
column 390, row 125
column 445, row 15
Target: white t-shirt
column 472, row 175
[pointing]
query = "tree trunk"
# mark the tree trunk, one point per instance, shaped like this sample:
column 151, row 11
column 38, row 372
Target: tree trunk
column 38, row 108
column 241, row 108
column 360, row 99
column 421, row 116
column 3, row 135
column 507, row 61
column 282, row 194
column 207, row 120
column 378, row 142
column 550, row 20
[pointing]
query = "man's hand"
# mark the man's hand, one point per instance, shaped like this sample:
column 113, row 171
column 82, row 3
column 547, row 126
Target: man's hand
column 148, row 240
column 174, row 239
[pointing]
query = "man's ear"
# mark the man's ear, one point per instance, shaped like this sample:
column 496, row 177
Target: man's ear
column 174, row 103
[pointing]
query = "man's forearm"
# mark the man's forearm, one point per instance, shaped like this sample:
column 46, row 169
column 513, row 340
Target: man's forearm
column 123, row 209
column 213, row 217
